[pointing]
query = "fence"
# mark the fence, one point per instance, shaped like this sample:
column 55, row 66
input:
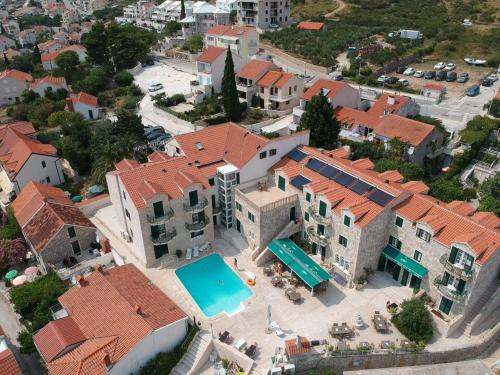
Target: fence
column 392, row 66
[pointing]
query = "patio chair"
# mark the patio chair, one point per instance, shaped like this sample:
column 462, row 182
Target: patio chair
column 195, row 252
column 250, row 351
column 189, row 253
column 344, row 323
column 335, row 324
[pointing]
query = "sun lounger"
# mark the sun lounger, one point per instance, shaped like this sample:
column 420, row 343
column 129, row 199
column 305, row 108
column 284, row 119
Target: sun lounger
column 195, row 251
column 240, row 344
column 189, row 253
column 250, row 351
column 276, row 328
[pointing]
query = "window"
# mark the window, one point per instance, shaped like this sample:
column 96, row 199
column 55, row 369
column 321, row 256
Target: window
column 211, row 181
column 124, row 196
column 306, row 216
column 321, row 229
column 158, row 209
column 394, row 242
column 322, row 208
column 272, row 152
column 399, row 222
column 251, row 217
column 290, row 90
column 127, row 214
column 308, row 197
column 281, row 183
column 347, row 221
column 263, row 155
column 461, row 259
column 417, row 255
column 71, row 232
column 76, row 247
column 238, row 178
column 177, row 150
column 160, row 250
column 295, row 88
column 343, row 241
column 238, row 206
column 43, row 164
column 197, row 234
column 47, row 179
column 193, row 198
column 424, row 235
column 337, row 258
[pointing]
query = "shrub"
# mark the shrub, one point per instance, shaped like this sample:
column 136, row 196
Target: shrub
column 123, row 78
column 414, row 321
column 130, row 102
column 10, row 229
column 61, row 118
column 12, row 252
column 25, row 338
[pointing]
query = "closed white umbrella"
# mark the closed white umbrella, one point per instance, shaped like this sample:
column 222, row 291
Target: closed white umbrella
column 269, row 314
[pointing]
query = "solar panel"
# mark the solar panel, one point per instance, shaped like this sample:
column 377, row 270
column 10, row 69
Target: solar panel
column 380, row 197
column 344, row 179
column 315, row 165
column 299, row 182
column 296, row 155
column 329, row 172
column 360, row 187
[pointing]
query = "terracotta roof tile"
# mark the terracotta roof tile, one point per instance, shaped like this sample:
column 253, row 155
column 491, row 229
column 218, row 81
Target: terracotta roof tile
column 330, row 88
column 275, row 78
column 233, row 31
column 23, row 127
column 462, row 207
column 52, row 56
column 488, row 219
column 307, row 25
column 383, row 104
column 83, row 97
column 255, row 69
column 417, row 187
column 211, row 54
column 49, row 80
column 8, row 363
column 408, row 130
column 159, row 156
column 16, row 74
column 293, row 350
column 351, row 117
column 434, row 87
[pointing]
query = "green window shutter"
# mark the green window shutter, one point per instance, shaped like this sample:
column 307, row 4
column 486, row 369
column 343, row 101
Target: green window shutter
column 306, row 216
column 399, row 221
column 322, row 208
column 281, row 183
column 155, row 230
column 446, row 277
column 321, row 229
column 193, row 198
column 347, row 221
column 460, row 286
column 158, row 209
column 308, row 197
column 314, row 248
column 468, row 267
column 453, row 255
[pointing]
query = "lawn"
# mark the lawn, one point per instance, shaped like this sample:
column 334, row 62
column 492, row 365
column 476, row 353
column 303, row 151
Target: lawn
column 312, row 9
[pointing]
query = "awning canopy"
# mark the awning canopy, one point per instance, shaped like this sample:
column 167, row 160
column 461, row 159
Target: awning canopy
column 405, row 262
column 299, row 262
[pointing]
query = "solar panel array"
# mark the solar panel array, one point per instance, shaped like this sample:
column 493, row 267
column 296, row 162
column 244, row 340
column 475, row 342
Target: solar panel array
column 299, row 182
column 296, row 155
column 352, row 183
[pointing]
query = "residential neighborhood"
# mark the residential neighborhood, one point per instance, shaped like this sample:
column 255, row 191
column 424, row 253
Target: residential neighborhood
column 249, row 187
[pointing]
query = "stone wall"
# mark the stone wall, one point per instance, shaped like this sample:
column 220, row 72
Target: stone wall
column 60, row 248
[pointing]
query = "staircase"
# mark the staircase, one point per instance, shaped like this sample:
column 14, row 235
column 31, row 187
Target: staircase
column 291, row 228
column 195, row 352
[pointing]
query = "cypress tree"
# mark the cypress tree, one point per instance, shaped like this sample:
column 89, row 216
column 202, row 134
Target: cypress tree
column 36, row 56
column 5, row 59
column 229, row 93
column 318, row 118
column 183, row 10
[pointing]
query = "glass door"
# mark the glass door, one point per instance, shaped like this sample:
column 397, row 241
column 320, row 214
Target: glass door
column 445, row 305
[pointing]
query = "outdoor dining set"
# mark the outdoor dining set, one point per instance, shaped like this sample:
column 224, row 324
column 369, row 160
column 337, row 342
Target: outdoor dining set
column 240, row 345
column 278, row 280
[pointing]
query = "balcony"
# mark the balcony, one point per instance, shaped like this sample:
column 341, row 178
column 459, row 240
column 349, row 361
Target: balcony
column 466, row 275
column 320, row 239
column 199, row 225
column 281, row 98
column 448, row 291
column 200, row 206
column 318, row 218
column 243, row 87
column 164, row 237
column 169, row 213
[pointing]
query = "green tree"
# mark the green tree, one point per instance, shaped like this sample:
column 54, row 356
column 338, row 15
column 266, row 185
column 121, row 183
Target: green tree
column 229, row 92
column 446, row 189
column 490, row 195
column 75, row 143
column 123, row 78
column 193, row 44
column 61, row 118
column 96, row 43
column 409, row 171
column 36, row 56
column 29, row 96
column 10, row 228
column 128, row 44
column 96, row 81
column 5, row 59
column 366, row 149
column 319, row 119
column 68, row 62
column 129, row 123
column 58, row 95
column 414, row 321
column 22, row 63
column 171, row 28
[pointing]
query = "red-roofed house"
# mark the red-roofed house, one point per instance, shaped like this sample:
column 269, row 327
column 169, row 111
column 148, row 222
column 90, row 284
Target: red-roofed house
column 49, row 59
column 311, row 26
column 50, row 46
column 55, row 229
column 434, row 91
column 41, row 85
column 8, row 362
column 210, row 66
column 243, row 40
column 85, row 104
column 27, row 37
column 12, row 84
column 247, row 77
column 338, row 93
column 114, row 321
column 24, row 159
column 279, row 91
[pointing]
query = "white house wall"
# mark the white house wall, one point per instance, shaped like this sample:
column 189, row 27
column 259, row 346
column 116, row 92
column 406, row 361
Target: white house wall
column 33, row 171
column 10, row 89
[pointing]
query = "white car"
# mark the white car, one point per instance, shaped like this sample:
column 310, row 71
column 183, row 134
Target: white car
column 440, row 65
column 492, row 77
column 419, row 74
column 155, row 87
column 409, row 71
column 467, row 22
column 449, row 67
column 382, row 79
column 403, row 82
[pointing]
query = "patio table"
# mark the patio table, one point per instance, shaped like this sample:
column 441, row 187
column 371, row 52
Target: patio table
column 223, row 337
column 267, row 270
column 340, row 331
column 276, row 280
column 379, row 322
column 293, row 295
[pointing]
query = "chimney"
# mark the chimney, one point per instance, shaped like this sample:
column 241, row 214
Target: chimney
column 80, row 279
column 107, row 359
column 138, row 310
column 299, row 342
column 69, row 104
column 99, row 267
column 391, row 100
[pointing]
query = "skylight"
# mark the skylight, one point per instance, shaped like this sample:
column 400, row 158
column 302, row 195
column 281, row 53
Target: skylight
column 199, row 146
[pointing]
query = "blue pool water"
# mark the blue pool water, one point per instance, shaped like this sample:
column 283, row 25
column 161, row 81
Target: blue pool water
column 214, row 286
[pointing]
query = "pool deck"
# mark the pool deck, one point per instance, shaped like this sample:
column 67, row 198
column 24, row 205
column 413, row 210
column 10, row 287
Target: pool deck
column 311, row 318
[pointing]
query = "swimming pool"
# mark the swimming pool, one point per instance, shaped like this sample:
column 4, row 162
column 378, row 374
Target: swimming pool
column 214, row 286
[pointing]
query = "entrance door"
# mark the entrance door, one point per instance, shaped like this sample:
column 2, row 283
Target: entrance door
column 415, row 282
column 292, row 214
column 381, row 264
column 404, row 278
column 395, row 272
column 214, row 219
column 238, row 225
column 314, row 248
column 323, row 253
column 445, row 305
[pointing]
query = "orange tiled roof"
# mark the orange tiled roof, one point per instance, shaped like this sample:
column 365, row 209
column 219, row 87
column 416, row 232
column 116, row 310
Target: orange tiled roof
column 462, row 208
column 115, row 310
column 210, row 54
column 233, row 31
column 488, row 219
column 382, row 105
column 275, row 78
column 408, row 130
column 292, row 349
column 48, row 44
column 8, row 363
column 16, row 74
column 313, row 26
column 254, row 69
column 52, row 56
column 435, row 87
column 23, row 127
column 159, row 156
column 330, row 88
column 16, row 148
column 83, row 97
column 49, row 80
column 352, row 117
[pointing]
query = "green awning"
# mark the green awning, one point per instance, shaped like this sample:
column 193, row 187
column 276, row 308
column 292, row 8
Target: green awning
column 405, row 262
column 299, row 262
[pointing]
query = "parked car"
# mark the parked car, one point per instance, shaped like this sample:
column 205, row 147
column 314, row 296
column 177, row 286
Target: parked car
column 473, row 90
column 467, row 22
column 449, row 67
column 155, row 87
column 403, row 82
column 487, row 82
column 150, row 129
column 155, row 134
column 162, row 138
column 419, row 74
column 274, row 26
column 400, row 69
column 440, row 65
column 338, row 77
column 391, row 80
column 493, row 77
column 382, row 79
column 409, row 71
column 463, row 77
column 452, row 76
column 473, row 61
column 441, row 75
column 430, row 74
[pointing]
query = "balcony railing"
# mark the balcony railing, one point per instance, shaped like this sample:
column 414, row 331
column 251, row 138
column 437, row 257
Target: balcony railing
column 325, row 220
column 455, row 269
column 192, row 227
column 169, row 213
column 200, row 206
column 447, row 291
column 164, row 237
column 281, row 98
column 320, row 239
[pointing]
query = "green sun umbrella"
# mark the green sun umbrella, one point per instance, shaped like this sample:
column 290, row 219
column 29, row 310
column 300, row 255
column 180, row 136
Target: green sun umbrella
column 11, row 274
